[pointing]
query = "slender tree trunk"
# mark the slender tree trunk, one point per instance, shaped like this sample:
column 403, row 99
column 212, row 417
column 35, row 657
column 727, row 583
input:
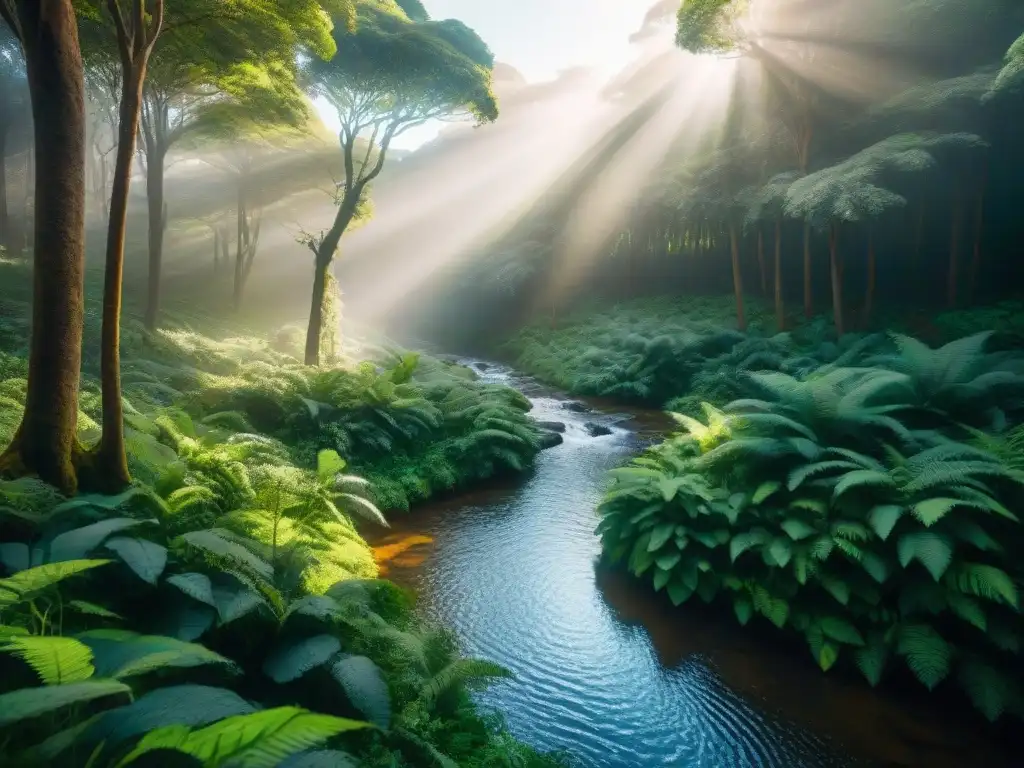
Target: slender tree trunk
column 780, row 311
column 240, row 216
column 157, row 224
column 869, row 295
column 111, row 461
column 836, row 276
column 955, row 236
column 216, row 250
column 760, row 261
column 45, row 444
column 737, row 279
column 316, row 312
column 324, row 256
column 808, row 297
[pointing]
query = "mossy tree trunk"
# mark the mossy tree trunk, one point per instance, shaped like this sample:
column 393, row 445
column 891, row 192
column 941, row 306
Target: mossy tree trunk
column 324, row 251
column 45, row 443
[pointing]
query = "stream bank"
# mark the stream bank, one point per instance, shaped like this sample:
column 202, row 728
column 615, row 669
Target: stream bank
column 606, row 669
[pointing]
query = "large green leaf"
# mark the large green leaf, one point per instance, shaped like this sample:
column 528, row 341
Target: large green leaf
column 660, row 534
column 928, row 655
column 932, row 550
column 146, row 558
column 797, row 530
column 871, row 659
column 213, row 542
column 235, row 600
column 986, row 581
column 930, row 511
column 781, row 551
column 27, row 703
column 840, row 629
column 883, row 519
column 55, row 659
column 291, row 662
column 744, row 541
column 196, row 585
column 190, row 705
column 365, row 687
column 77, row 544
column 765, row 490
column 257, row 740
column 119, row 653
column 328, row 465
column 862, row 478
column 744, row 609
column 26, row 584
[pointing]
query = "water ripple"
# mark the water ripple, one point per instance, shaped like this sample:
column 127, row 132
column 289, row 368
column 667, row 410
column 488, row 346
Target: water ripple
column 515, row 576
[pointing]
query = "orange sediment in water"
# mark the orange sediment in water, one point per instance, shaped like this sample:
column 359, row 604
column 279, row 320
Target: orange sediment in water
column 401, row 551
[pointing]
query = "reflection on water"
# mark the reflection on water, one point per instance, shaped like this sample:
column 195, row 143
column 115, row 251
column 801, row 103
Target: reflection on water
column 605, row 668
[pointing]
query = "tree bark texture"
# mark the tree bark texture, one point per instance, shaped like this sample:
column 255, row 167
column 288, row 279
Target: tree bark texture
column 45, row 444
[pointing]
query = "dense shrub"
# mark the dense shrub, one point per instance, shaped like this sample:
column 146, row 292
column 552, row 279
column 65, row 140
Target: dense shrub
column 856, row 507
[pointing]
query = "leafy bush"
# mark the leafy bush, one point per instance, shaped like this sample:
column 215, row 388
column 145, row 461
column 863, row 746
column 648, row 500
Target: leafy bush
column 663, row 353
column 848, row 508
column 108, row 599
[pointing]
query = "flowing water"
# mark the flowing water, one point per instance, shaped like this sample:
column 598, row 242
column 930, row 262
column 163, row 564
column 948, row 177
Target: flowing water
column 609, row 671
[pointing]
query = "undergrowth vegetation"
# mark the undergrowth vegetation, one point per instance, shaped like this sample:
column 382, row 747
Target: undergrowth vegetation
column 225, row 609
column 677, row 352
column 867, row 500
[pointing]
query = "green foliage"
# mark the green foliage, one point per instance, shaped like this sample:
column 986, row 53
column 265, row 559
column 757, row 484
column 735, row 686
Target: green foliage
column 710, row 26
column 660, row 352
column 178, row 614
column 845, row 506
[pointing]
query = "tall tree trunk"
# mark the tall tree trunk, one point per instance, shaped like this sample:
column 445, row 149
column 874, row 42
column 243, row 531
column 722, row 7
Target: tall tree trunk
column 737, row 278
column 157, row 224
column 835, row 273
column 780, row 311
column 111, row 461
column 955, row 236
column 808, row 297
column 45, row 444
column 324, row 255
column 240, row 216
column 216, row 250
column 760, row 261
column 869, row 295
column 316, row 312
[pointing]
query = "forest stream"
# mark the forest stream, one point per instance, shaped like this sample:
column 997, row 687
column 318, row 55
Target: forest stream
column 610, row 672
